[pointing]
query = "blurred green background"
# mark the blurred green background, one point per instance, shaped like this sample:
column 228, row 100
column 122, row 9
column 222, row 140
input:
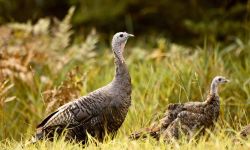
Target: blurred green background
column 187, row 22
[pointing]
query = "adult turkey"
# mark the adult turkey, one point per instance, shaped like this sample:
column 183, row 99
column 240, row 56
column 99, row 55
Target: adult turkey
column 99, row 113
column 187, row 117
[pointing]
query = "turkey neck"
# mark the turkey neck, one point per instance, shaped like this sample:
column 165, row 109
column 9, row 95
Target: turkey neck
column 122, row 77
column 214, row 89
column 213, row 92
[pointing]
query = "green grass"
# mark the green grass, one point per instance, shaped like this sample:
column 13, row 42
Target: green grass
column 161, row 74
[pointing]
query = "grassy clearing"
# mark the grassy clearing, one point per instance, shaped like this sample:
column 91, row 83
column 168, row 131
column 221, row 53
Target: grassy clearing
column 40, row 70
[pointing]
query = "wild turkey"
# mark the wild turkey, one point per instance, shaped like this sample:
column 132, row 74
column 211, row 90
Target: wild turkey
column 101, row 111
column 187, row 117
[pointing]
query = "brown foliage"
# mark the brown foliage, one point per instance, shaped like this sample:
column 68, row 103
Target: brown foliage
column 68, row 90
column 5, row 86
column 46, row 43
column 16, row 65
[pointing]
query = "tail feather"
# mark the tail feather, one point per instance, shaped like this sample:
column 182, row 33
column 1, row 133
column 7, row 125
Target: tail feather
column 36, row 138
column 33, row 140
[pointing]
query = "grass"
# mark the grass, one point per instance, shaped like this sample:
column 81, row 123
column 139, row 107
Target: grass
column 161, row 72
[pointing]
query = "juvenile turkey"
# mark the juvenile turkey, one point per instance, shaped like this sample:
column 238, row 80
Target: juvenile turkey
column 101, row 111
column 187, row 117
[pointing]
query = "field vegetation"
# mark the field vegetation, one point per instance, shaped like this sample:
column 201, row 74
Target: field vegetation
column 42, row 67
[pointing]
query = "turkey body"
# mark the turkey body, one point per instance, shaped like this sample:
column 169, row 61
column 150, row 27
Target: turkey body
column 184, row 118
column 190, row 117
column 102, row 111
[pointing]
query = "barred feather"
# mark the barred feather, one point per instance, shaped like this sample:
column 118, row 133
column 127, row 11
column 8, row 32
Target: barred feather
column 101, row 111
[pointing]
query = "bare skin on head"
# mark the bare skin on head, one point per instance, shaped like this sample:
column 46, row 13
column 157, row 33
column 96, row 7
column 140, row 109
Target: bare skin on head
column 100, row 112
column 187, row 118
column 118, row 43
column 215, row 83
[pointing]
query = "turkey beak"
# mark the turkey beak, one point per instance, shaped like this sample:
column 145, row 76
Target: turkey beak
column 131, row 35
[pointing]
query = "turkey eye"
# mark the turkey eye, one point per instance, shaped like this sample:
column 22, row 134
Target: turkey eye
column 121, row 35
column 219, row 79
